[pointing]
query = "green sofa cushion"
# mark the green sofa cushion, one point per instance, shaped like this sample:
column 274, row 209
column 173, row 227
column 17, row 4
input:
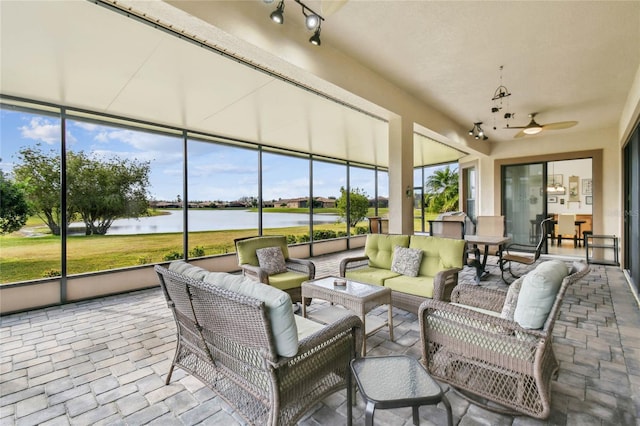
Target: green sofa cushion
column 246, row 249
column 418, row 286
column 287, row 280
column 439, row 253
column 379, row 248
column 188, row 270
column 375, row 276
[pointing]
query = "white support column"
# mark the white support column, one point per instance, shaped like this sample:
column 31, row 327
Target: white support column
column 401, row 176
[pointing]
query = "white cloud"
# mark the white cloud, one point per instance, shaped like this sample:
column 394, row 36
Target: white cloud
column 42, row 129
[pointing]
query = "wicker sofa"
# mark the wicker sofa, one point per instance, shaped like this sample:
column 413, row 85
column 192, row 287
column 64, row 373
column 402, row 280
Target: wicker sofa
column 437, row 272
column 496, row 346
column 243, row 341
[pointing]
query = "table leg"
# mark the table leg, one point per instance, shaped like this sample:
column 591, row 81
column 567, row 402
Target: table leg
column 416, row 415
column 304, row 307
column 445, row 401
column 368, row 413
column 363, row 317
column 390, row 320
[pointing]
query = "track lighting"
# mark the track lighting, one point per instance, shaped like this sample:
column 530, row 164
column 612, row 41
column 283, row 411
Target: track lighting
column 312, row 20
column 277, row 15
column 477, row 132
column 315, row 38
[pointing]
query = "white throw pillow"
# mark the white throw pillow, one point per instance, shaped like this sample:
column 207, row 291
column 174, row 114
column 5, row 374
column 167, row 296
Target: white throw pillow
column 538, row 293
column 406, row 261
column 277, row 302
column 271, row 260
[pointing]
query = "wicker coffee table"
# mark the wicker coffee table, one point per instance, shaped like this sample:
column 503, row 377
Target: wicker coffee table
column 359, row 298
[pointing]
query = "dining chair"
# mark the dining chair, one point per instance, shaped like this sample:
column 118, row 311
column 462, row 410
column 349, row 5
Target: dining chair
column 491, row 226
column 567, row 228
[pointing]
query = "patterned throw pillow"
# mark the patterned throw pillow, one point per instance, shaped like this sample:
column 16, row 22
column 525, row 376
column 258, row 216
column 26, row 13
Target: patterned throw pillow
column 406, row 261
column 271, row 260
column 511, row 300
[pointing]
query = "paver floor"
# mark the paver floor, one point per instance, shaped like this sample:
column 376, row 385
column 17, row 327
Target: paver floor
column 104, row 361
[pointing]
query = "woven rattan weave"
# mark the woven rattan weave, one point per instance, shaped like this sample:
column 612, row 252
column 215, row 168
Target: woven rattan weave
column 225, row 340
column 491, row 357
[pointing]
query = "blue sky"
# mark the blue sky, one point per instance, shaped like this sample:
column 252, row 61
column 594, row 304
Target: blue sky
column 216, row 172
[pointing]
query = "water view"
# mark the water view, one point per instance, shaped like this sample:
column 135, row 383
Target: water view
column 211, row 220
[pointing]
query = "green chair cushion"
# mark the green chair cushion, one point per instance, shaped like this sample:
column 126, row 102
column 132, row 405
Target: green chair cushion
column 375, row 276
column 418, row 286
column 438, row 253
column 246, row 249
column 188, row 270
column 287, row 280
column 379, row 248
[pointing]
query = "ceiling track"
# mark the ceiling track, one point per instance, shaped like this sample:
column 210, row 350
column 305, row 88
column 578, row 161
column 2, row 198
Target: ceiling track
column 192, row 38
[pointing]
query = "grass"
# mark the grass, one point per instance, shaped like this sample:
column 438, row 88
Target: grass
column 28, row 258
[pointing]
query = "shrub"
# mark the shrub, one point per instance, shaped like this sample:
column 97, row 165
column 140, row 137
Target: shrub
column 341, row 234
column 323, row 234
column 143, row 260
column 291, row 239
column 51, row 273
column 197, row 251
column 303, row 238
column 361, row 230
column 173, row 255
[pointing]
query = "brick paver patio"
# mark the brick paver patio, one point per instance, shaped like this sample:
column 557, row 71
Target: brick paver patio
column 104, row 361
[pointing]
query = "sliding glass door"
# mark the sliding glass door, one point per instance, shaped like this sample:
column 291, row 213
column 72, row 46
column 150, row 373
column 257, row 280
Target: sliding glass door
column 523, row 201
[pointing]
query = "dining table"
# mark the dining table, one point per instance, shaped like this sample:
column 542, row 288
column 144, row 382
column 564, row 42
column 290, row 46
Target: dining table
column 486, row 241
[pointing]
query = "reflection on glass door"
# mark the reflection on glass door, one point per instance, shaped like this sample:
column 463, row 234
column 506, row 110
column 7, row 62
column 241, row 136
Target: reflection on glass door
column 523, row 203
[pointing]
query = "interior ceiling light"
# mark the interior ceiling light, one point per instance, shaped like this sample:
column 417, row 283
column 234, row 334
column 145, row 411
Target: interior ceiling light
column 312, row 20
column 477, row 132
column 552, row 185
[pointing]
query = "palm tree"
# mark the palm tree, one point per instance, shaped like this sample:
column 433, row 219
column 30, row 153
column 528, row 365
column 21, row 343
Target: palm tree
column 441, row 191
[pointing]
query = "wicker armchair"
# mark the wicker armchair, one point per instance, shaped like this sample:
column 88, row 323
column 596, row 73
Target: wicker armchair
column 225, row 339
column 298, row 270
column 489, row 358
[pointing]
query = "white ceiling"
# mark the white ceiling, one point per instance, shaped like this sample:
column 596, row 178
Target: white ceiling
column 565, row 60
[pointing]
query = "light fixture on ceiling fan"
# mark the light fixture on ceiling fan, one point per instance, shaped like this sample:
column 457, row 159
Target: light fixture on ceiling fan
column 533, row 128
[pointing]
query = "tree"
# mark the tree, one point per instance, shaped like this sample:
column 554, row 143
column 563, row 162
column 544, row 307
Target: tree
column 101, row 191
column 39, row 174
column 442, row 191
column 98, row 191
column 358, row 205
column 14, row 210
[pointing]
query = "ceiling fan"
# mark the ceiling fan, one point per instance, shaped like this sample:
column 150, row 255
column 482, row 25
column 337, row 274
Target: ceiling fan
column 534, row 128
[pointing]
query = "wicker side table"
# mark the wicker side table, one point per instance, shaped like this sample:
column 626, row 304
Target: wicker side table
column 359, row 298
column 394, row 382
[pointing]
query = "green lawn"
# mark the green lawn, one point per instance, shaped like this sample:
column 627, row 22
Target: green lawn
column 26, row 258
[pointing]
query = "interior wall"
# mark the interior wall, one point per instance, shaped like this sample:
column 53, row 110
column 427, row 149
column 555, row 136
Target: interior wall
column 583, row 170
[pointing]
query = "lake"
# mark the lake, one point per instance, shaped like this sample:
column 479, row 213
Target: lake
column 212, row 220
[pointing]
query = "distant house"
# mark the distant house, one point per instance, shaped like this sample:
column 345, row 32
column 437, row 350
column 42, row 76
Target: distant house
column 381, row 201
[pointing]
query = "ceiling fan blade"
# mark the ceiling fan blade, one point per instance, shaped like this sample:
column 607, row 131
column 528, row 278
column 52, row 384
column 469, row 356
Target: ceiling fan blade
column 514, row 127
column 520, row 134
column 559, row 125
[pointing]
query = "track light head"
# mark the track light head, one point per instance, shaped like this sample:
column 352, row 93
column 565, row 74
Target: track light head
column 315, row 38
column 312, row 21
column 277, row 15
